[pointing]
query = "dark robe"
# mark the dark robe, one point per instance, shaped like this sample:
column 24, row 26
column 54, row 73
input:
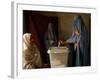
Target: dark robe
column 50, row 38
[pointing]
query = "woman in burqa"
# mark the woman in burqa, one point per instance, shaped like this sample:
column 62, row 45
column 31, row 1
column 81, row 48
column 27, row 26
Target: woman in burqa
column 80, row 39
column 31, row 53
column 50, row 38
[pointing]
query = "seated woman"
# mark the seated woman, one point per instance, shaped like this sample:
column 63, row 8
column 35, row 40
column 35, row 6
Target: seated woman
column 80, row 40
column 31, row 53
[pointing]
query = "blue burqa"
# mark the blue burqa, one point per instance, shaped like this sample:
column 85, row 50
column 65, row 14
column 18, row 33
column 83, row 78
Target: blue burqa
column 82, row 40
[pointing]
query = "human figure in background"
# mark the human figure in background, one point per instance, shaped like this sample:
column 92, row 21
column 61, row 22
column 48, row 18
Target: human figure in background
column 50, row 38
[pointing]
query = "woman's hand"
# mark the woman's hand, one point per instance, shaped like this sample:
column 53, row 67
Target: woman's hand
column 75, row 46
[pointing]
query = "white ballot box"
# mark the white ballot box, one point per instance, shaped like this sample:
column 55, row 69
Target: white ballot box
column 58, row 56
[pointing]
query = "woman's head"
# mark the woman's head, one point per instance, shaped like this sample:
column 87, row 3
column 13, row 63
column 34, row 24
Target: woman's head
column 28, row 39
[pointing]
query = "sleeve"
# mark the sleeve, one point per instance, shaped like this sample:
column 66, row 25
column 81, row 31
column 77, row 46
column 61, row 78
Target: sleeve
column 72, row 39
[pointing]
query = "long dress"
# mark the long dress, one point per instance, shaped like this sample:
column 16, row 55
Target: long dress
column 82, row 51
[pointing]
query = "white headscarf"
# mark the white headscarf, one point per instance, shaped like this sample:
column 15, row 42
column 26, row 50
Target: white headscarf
column 26, row 40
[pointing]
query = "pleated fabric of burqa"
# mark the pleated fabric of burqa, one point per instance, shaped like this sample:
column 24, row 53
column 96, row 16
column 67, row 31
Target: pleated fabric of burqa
column 82, row 57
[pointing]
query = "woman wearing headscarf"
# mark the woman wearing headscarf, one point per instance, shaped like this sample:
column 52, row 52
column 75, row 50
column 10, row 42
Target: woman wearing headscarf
column 50, row 38
column 31, row 53
column 80, row 39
